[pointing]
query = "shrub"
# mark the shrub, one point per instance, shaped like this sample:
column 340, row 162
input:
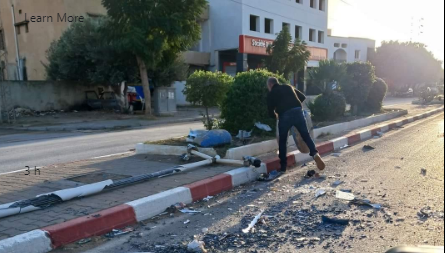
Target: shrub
column 327, row 73
column 207, row 89
column 328, row 106
column 246, row 101
column 358, row 84
column 374, row 103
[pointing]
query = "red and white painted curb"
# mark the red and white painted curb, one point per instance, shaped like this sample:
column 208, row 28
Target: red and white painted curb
column 52, row 237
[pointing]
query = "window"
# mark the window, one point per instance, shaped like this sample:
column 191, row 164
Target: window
column 322, row 5
column 344, row 45
column 299, row 1
column 268, row 26
column 2, row 42
column 321, row 37
column 358, row 54
column 298, row 32
column 312, row 35
column 254, row 23
column 314, row 4
column 336, row 44
column 287, row 26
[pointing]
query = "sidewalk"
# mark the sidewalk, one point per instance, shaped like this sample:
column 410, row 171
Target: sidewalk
column 17, row 186
column 98, row 120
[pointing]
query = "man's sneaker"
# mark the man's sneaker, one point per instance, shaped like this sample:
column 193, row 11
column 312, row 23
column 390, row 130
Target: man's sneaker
column 319, row 161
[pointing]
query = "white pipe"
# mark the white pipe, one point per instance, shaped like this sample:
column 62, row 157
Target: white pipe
column 230, row 162
column 65, row 195
column 186, row 167
column 203, row 156
column 81, row 191
column 19, row 68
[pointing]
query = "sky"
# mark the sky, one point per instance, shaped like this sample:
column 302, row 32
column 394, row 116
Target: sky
column 385, row 20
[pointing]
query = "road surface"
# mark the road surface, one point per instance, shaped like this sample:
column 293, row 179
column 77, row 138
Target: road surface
column 18, row 150
column 390, row 175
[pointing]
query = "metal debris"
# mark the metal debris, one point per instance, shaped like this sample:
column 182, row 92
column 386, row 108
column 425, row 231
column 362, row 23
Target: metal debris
column 253, row 223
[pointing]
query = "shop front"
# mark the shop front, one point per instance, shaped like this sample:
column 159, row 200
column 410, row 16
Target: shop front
column 252, row 53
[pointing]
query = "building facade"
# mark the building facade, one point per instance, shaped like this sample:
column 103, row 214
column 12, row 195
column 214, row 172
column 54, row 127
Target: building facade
column 235, row 34
column 30, row 40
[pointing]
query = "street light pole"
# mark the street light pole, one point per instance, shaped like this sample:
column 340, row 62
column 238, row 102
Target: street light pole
column 17, row 54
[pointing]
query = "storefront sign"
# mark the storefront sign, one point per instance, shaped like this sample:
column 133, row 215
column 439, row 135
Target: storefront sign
column 258, row 46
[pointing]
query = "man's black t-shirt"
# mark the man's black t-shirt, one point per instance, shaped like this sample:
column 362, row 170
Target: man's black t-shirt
column 282, row 98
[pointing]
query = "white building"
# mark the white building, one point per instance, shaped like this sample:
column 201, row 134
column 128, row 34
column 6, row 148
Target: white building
column 235, row 35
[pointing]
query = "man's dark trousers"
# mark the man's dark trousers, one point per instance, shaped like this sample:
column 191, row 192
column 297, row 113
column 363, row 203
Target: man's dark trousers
column 294, row 117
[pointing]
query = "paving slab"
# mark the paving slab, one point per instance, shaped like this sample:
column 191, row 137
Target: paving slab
column 18, row 186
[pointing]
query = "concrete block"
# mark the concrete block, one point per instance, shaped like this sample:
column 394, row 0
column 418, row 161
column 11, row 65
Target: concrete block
column 340, row 142
column 243, row 175
column 151, row 206
column 36, row 241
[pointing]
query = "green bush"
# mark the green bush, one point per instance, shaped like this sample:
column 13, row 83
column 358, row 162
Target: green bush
column 328, row 106
column 246, row 101
column 374, row 103
column 358, row 84
column 207, row 89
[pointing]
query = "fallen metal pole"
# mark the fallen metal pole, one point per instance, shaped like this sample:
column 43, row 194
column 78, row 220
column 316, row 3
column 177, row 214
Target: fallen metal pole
column 49, row 199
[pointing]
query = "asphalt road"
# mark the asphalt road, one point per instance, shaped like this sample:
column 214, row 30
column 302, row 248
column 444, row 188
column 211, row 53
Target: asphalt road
column 390, row 175
column 20, row 149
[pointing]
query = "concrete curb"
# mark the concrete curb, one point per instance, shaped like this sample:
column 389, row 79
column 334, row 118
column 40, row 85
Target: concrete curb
column 151, row 149
column 100, row 128
column 52, row 237
column 268, row 146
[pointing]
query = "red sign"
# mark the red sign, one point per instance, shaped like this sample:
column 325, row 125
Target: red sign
column 258, row 46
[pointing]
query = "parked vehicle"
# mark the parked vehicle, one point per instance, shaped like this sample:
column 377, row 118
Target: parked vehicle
column 106, row 100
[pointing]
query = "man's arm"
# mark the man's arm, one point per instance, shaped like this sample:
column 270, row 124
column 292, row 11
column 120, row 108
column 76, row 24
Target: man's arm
column 271, row 105
column 300, row 95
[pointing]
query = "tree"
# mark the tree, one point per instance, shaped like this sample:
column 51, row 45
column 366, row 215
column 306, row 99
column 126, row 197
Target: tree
column 82, row 55
column 374, row 102
column 153, row 30
column 285, row 58
column 328, row 72
column 169, row 71
column 358, row 84
column 207, row 89
column 406, row 65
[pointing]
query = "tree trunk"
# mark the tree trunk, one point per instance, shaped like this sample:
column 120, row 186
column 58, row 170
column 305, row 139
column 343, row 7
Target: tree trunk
column 209, row 127
column 145, row 85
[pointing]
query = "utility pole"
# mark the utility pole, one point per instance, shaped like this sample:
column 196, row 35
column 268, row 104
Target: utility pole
column 17, row 53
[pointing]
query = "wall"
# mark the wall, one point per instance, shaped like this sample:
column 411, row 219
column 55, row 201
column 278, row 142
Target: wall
column 224, row 28
column 353, row 45
column 180, row 97
column 287, row 11
column 47, row 95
